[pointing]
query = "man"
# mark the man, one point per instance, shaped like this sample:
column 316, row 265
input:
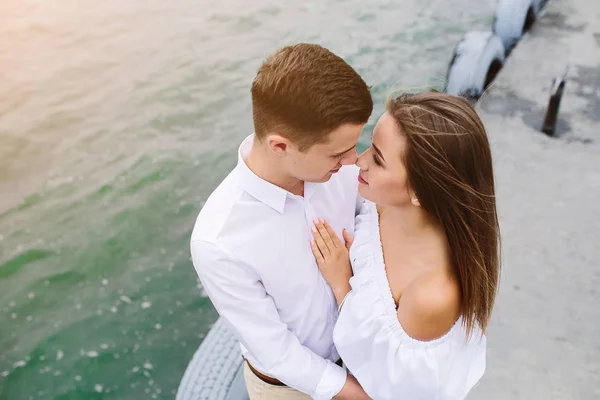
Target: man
column 251, row 242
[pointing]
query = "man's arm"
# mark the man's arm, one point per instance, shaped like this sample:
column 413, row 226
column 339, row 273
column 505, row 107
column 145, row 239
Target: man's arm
column 240, row 298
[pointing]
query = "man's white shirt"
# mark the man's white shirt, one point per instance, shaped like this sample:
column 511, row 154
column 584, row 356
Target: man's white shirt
column 251, row 249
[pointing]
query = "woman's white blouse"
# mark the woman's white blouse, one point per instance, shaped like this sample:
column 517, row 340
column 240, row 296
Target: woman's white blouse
column 387, row 362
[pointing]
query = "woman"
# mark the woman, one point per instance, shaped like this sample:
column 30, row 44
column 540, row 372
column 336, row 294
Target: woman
column 425, row 255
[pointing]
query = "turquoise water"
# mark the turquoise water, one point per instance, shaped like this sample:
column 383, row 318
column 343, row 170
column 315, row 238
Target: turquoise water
column 117, row 119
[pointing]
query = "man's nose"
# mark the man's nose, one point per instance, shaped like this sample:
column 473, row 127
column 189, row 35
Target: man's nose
column 349, row 158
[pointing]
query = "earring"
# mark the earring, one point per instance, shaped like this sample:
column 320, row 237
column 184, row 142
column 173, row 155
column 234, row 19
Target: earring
column 415, row 201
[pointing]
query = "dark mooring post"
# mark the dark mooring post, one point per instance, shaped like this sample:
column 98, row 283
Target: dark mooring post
column 558, row 86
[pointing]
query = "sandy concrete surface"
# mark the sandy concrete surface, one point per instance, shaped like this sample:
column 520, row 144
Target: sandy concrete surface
column 544, row 340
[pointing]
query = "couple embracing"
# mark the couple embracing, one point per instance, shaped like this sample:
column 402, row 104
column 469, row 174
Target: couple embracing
column 353, row 276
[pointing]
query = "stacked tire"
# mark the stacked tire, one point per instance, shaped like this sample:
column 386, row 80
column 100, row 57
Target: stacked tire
column 479, row 56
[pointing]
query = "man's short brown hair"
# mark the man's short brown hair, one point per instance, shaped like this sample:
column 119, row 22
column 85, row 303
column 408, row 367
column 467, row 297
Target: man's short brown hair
column 304, row 92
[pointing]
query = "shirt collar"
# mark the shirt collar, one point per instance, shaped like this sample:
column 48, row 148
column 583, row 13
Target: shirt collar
column 265, row 192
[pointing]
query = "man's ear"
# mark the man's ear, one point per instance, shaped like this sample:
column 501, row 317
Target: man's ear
column 278, row 143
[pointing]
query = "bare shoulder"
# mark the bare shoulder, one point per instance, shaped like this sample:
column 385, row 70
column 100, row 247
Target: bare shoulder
column 429, row 306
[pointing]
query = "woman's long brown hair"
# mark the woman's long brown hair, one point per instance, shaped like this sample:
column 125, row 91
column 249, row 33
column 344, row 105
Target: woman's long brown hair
column 449, row 166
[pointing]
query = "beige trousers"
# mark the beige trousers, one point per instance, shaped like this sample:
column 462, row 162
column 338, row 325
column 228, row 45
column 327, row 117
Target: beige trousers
column 259, row 390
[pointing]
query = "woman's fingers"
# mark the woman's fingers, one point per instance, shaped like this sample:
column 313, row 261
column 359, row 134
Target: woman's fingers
column 334, row 237
column 321, row 244
column 316, row 252
column 348, row 238
column 325, row 234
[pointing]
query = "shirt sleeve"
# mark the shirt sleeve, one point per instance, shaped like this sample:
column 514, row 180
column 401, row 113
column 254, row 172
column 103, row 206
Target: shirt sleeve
column 240, row 298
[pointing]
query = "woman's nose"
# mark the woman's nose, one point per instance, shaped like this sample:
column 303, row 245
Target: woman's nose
column 360, row 161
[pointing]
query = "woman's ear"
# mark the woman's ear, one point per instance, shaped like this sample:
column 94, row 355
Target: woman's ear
column 415, row 200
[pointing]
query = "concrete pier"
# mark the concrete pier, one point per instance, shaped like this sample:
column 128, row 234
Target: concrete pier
column 544, row 340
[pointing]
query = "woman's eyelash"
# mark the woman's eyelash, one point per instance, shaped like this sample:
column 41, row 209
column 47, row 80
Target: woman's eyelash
column 376, row 159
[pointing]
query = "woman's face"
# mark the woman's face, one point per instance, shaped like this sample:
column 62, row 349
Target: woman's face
column 383, row 177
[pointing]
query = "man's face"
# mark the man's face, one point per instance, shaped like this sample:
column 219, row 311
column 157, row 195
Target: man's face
column 323, row 160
